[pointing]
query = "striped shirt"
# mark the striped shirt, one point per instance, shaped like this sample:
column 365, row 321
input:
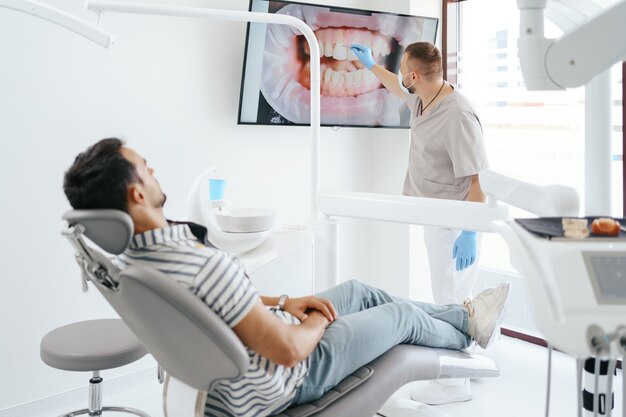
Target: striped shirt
column 219, row 279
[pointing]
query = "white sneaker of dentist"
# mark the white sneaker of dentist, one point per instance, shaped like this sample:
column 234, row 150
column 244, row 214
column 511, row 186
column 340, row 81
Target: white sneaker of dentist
column 443, row 391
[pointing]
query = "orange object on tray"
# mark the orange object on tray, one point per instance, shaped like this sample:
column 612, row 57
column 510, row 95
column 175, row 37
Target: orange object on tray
column 605, row 226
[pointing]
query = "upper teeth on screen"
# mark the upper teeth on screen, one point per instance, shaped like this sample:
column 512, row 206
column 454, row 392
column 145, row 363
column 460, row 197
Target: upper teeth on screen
column 335, row 43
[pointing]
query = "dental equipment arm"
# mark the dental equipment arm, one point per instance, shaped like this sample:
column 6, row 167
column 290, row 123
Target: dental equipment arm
column 412, row 210
column 546, row 201
column 576, row 57
column 61, row 18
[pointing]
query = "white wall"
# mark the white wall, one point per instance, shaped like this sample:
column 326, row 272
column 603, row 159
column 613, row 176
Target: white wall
column 399, row 262
column 170, row 87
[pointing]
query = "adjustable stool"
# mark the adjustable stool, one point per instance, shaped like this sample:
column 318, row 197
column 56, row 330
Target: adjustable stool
column 92, row 346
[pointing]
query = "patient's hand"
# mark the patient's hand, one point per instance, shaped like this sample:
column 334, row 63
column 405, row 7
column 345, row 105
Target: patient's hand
column 298, row 307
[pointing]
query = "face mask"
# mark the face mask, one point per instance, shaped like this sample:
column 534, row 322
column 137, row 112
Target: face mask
column 401, row 83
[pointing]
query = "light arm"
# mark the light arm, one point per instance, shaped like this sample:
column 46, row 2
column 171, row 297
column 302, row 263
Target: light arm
column 575, row 58
column 62, row 19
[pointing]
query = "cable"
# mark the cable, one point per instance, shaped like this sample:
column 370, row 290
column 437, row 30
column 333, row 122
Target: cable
column 579, row 377
column 595, row 387
column 549, row 380
column 609, row 389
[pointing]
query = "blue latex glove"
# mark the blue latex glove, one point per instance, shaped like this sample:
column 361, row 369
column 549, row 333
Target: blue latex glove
column 364, row 54
column 464, row 250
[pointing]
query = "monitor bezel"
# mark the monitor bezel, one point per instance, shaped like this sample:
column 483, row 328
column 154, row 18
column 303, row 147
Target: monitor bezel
column 335, row 126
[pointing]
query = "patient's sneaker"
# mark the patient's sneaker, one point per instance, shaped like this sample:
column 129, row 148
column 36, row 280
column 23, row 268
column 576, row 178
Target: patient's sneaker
column 443, row 392
column 485, row 313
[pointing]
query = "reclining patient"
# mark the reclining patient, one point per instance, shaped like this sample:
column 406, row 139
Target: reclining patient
column 297, row 353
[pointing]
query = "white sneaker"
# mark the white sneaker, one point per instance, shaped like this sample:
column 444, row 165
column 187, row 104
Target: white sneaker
column 485, row 314
column 438, row 393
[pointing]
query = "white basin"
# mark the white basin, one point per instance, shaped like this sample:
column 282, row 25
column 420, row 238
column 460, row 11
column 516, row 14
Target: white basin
column 245, row 220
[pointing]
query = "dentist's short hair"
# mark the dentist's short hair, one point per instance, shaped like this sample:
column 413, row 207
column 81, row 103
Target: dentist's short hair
column 427, row 58
column 99, row 177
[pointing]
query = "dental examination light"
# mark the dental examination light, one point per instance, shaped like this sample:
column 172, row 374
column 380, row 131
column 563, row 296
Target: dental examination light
column 576, row 57
column 61, row 18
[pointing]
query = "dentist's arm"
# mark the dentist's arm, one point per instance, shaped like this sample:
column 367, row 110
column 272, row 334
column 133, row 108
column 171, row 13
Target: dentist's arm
column 476, row 193
column 465, row 249
column 281, row 343
column 387, row 78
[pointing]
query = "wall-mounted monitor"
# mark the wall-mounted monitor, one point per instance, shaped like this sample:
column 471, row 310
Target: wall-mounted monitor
column 275, row 87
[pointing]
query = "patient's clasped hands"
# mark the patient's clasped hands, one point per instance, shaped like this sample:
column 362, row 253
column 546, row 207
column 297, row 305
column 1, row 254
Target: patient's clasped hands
column 300, row 307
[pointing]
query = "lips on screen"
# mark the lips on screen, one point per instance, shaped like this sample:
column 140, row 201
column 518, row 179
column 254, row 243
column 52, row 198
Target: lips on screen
column 276, row 75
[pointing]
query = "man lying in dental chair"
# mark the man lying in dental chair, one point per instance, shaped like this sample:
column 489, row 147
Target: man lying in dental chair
column 299, row 348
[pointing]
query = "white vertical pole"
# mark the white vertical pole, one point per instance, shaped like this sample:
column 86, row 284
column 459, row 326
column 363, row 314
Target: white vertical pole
column 598, row 146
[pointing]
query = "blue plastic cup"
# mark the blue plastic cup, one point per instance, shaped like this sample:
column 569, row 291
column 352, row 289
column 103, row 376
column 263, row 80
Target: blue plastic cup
column 216, row 189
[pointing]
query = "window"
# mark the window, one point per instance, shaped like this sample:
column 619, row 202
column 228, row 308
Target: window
column 527, row 133
column 536, row 136
column 617, row 141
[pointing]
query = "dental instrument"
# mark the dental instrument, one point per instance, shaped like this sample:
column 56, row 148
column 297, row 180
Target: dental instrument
column 61, row 18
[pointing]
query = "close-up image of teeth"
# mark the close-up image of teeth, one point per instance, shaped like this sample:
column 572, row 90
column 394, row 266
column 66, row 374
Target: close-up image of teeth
column 350, row 94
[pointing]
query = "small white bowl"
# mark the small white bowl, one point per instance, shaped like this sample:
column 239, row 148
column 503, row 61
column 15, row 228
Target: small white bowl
column 245, row 220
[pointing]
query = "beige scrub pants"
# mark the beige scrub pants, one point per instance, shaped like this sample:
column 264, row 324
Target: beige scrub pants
column 449, row 286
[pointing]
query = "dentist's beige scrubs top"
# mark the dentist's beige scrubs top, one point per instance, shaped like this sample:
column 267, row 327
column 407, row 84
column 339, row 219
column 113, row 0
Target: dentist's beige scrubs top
column 447, row 147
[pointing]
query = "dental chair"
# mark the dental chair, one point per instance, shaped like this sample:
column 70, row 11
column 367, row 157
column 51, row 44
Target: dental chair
column 197, row 349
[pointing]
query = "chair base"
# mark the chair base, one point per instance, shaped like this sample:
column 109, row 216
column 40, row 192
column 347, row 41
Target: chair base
column 95, row 408
column 127, row 410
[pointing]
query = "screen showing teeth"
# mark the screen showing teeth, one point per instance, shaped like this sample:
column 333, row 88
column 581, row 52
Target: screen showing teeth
column 276, row 80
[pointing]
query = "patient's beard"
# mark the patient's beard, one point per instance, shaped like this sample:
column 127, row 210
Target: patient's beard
column 161, row 204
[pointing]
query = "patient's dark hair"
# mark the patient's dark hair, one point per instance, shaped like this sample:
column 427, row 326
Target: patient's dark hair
column 99, row 177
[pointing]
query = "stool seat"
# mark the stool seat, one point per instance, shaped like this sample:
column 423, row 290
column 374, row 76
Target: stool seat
column 91, row 345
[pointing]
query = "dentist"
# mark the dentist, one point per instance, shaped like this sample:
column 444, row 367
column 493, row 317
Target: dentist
column 446, row 154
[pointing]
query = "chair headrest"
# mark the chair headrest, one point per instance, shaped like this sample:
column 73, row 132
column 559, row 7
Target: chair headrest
column 112, row 230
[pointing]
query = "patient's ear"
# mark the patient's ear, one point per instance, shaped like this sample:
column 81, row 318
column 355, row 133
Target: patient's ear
column 135, row 194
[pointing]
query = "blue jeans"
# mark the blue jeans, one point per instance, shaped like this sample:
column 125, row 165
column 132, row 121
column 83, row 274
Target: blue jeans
column 370, row 323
